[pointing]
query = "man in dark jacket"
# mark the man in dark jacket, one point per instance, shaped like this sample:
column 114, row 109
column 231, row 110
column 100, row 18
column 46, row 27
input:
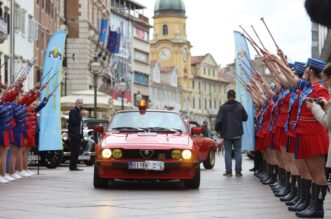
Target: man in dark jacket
column 75, row 130
column 229, row 121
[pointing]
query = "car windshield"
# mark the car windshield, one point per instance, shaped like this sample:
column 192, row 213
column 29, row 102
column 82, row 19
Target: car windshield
column 151, row 121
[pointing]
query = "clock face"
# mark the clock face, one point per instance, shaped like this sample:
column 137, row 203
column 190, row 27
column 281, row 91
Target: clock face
column 185, row 55
column 165, row 54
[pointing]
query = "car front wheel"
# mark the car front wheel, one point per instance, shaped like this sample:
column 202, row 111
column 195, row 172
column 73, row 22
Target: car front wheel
column 193, row 183
column 210, row 162
column 99, row 182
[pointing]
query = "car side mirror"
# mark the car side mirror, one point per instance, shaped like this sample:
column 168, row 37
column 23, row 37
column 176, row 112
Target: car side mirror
column 98, row 129
column 196, row 131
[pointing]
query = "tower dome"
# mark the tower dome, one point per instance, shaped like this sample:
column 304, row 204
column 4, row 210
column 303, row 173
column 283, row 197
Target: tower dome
column 169, row 7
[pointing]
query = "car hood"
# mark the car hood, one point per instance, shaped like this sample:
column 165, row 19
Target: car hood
column 146, row 140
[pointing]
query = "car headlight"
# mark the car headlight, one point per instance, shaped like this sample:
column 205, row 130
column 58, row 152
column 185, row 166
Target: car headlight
column 187, row 154
column 106, row 153
column 117, row 153
column 65, row 136
column 175, row 154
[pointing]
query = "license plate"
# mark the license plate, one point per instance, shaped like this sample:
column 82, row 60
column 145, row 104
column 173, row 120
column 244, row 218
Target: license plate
column 84, row 157
column 147, row 165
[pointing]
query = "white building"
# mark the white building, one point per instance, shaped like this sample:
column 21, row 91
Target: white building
column 164, row 91
column 25, row 35
column 4, row 41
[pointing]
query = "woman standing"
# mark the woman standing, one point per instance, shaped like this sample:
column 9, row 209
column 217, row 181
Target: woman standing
column 312, row 139
column 318, row 107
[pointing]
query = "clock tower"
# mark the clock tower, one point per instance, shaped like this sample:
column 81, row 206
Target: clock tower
column 170, row 45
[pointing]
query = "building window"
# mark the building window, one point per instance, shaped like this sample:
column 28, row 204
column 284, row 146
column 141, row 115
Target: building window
column 193, row 103
column 22, row 23
column 141, row 56
column 165, row 30
column 205, row 103
column 208, row 71
column 199, row 103
column 141, row 34
column 215, row 104
column 199, row 86
column 210, row 104
column 193, row 84
column 204, row 71
column 17, row 17
column 31, row 26
column 140, row 78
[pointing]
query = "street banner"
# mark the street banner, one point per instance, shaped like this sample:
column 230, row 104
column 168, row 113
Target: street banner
column 103, row 33
column 114, row 42
column 50, row 116
column 243, row 61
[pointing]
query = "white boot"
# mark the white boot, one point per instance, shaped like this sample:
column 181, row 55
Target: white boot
column 8, row 177
column 3, row 180
column 23, row 174
column 16, row 176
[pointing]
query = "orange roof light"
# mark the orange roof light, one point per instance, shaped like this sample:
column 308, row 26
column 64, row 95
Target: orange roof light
column 142, row 105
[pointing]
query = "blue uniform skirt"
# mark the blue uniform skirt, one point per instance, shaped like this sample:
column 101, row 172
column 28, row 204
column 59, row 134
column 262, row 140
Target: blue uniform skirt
column 20, row 136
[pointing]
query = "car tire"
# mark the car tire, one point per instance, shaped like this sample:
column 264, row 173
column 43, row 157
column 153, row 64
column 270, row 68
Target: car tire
column 210, row 162
column 193, row 183
column 90, row 162
column 99, row 182
column 52, row 159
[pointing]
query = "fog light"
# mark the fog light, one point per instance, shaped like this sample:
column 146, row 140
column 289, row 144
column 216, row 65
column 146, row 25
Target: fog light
column 187, row 154
column 106, row 153
column 117, row 153
column 175, row 154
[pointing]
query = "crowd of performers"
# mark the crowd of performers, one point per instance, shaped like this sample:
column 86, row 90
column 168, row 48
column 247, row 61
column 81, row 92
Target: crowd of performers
column 18, row 128
column 292, row 122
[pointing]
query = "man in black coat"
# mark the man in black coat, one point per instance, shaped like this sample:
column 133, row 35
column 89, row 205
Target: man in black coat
column 75, row 130
column 229, row 123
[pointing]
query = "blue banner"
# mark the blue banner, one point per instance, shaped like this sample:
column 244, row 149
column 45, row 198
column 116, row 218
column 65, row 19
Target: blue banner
column 103, row 34
column 243, row 61
column 50, row 117
column 114, row 42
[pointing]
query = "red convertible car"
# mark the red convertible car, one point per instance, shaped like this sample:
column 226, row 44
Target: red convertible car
column 147, row 145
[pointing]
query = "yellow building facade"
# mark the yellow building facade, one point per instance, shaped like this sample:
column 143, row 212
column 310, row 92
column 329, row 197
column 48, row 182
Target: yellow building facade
column 170, row 45
column 209, row 89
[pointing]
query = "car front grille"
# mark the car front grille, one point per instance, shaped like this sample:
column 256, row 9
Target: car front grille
column 147, row 154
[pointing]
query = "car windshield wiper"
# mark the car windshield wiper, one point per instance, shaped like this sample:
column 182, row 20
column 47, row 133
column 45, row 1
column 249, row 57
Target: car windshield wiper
column 162, row 129
column 130, row 129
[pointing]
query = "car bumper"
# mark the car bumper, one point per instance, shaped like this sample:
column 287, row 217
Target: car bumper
column 172, row 170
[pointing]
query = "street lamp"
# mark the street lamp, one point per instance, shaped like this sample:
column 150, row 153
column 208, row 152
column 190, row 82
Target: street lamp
column 95, row 67
column 122, row 86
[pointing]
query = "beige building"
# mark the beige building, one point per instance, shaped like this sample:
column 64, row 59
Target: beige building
column 83, row 22
column 49, row 16
column 82, row 18
column 209, row 89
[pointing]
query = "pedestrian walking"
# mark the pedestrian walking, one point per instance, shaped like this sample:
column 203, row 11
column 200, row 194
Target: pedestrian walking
column 206, row 132
column 229, row 123
column 75, row 130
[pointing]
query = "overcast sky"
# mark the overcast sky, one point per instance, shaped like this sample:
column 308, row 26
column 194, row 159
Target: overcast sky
column 211, row 23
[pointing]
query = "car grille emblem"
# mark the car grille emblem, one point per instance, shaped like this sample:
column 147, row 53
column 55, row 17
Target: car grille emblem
column 146, row 153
